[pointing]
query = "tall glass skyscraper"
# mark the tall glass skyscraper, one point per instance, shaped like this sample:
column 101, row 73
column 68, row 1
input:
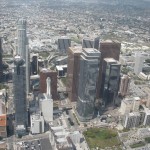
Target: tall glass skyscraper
column 19, row 87
column 22, row 47
column 110, row 80
column 88, row 74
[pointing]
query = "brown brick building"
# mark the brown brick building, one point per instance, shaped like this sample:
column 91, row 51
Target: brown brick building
column 44, row 73
column 3, row 125
column 108, row 49
column 73, row 71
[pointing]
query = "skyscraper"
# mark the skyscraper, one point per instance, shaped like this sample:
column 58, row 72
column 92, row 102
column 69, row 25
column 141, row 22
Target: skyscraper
column 139, row 61
column 124, row 84
column 89, row 65
column 22, row 38
column 19, row 88
column 108, row 49
column 110, row 80
column 63, row 44
column 73, row 72
column 1, row 62
column 22, row 47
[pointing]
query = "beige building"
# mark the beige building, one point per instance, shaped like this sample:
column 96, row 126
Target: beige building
column 124, row 85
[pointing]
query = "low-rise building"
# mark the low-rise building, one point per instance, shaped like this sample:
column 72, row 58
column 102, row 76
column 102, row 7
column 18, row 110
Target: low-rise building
column 3, row 125
column 132, row 120
column 37, row 124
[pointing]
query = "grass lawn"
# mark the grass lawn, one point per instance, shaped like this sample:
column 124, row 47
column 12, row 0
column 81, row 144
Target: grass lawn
column 147, row 140
column 101, row 137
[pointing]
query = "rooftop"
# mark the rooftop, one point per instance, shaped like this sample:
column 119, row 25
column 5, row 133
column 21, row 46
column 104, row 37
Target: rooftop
column 3, row 120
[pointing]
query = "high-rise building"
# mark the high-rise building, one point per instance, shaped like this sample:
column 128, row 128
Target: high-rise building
column 63, row 44
column 44, row 73
column 139, row 61
column 73, row 72
column 34, row 64
column 1, row 62
column 110, row 80
column 22, row 48
column 108, row 49
column 124, row 85
column 21, row 38
column 19, row 88
column 89, row 65
column 90, row 43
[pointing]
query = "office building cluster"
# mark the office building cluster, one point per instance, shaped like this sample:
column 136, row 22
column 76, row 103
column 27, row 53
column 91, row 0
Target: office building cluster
column 95, row 74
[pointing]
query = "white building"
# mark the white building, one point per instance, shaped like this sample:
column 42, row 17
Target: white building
column 139, row 61
column 75, row 137
column 132, row 120
column 136, row 104
column 37, row 124
column 46, row 104
column 59, row 138
column 126, row 106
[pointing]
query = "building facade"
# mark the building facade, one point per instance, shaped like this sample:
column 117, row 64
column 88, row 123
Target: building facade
column 108, row 49
column 110, row 81
column 139, row 61
column 1, row 62
column 19, row 89
column 63, row 44
column 22, row 48
column 132, row 120
column 37, row 124
column 73, row 72
column 44, row 73
column 90, row 43
column 34, row 64
column 89, row 64
column 124, row 85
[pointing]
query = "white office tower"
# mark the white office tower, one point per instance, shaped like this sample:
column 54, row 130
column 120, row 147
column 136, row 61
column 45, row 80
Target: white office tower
column 22, row 47
column 139, row 60
column 132, row 120
column 46, row 104
column 147, row 117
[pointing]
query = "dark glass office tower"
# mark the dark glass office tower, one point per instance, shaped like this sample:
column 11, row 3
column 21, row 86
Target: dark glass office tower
column 34, row 64
column 110, row 80
column 63, row 44
column 19, row 89
column 89, row 64
column 108, row 49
